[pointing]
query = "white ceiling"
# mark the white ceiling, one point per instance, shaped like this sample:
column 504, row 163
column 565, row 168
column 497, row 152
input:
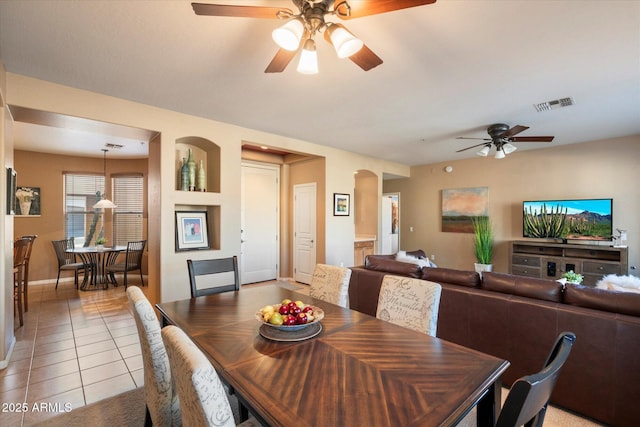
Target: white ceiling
column 450, row 69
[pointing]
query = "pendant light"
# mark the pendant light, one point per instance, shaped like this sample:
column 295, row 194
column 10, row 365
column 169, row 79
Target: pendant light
column 308, row 58
column 104, row 203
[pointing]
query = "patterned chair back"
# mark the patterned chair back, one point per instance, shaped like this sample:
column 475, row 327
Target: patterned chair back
column 331, row 284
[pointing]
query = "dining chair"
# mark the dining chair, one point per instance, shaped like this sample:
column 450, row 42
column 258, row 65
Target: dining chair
column 219, row 275
column 203, row 399
column 67, row 261
column 526, row 403
column 162, row 403
column 25, row 289
column 411, row 303
column 331, row 284
column 20, row 249
column 132, row 262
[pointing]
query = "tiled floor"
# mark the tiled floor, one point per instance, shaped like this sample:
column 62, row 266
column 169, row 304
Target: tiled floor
column 75, row 348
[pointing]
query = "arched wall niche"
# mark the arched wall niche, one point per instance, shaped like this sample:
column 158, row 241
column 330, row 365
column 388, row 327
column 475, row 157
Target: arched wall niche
column 201, row 149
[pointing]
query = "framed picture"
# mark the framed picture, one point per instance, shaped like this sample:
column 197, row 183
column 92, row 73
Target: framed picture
column 460, row 205
column 191, row 230
column 11, row 191
column 28, row 201
column 341, row 204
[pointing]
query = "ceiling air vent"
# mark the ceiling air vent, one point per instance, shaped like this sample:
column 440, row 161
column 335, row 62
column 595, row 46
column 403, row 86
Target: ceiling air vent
column 114, row 146
column 555, row 104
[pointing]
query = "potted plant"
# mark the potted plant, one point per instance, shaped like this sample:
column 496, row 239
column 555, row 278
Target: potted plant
column 573, row 277
column 482, row 243
column 100, row 241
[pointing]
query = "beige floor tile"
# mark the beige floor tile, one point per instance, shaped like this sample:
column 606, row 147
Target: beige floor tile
column 103, row 372
column 83, row 332
column 108, row 388
column 97, row 347
column 134, row 363
column 138, row 377
column 115, row 333
column 98, row 359
column 53, row 386
column 90, row 339
column 127, row 340
column 12, row 382
column 53, row 371
column 59, row 336
column 130, row 350
column 40, row 350
column 53, row 358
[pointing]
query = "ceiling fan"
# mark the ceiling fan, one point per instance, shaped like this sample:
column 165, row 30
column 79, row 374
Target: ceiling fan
column 299, row 32
column 502, row 137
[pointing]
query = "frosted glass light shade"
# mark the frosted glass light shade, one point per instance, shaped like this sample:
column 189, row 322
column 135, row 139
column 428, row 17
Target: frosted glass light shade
column 500, row 154
column 288, row 36
column 344, row 42
column 104, row 204
column 308, row 58
column 509, row 148
column 484, row 152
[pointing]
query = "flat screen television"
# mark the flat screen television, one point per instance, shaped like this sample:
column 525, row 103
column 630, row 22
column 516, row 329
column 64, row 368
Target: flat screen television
column 584, row 219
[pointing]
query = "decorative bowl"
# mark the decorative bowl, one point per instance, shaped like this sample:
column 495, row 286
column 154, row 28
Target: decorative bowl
column 318, row 315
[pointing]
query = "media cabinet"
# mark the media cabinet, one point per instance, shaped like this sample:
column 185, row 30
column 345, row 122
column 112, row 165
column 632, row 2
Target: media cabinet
column 551, row 260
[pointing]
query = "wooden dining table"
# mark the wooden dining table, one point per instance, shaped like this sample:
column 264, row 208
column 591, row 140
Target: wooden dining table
column 358, row 371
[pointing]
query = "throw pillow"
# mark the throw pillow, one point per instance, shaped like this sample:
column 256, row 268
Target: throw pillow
column 614, row 282
column 402, row 256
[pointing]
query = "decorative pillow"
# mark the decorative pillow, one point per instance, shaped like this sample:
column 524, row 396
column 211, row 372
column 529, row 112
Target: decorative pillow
column 403, row 256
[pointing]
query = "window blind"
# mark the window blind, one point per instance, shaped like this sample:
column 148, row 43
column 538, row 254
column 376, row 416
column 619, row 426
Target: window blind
column 128, row 193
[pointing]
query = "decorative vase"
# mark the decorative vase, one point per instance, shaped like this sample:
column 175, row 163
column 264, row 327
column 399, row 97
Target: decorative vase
column 25, row 207
column 191, row 164
column 480, row 268
column 184, row 175
column 202, row 177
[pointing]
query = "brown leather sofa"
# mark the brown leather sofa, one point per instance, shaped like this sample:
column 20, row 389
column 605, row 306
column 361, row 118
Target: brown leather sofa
column 518, row 318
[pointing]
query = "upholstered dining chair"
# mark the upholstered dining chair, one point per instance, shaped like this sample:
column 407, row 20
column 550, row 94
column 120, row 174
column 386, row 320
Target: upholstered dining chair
column 213, row 276
column 411, row 303
column 132, row 262
column 203, row 399
column 331, row 284
column 163, row 406
column 526, row 403
column 67, row 261
column 20, row 249
column 32, row 238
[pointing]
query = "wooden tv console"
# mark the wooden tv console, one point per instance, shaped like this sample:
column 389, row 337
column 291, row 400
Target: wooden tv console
column 551, row 260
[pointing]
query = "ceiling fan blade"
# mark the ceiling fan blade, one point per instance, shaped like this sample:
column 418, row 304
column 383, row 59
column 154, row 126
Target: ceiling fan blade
column 365, row 58
column 239, row 11
column 473, row 146
column 514, row 131
column 532, row 138
column 280, row 61
column 360, row 8
column 468, row 137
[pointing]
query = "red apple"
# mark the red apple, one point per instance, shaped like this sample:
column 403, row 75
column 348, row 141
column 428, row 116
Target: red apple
column 307, row 309
column 289, row 320
column 284, row 309
column 301, row 318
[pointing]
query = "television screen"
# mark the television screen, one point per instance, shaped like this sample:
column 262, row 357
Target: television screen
column 587, row 219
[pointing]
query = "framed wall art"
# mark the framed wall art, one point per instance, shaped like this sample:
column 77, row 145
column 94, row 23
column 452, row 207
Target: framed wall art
column 28, row 201
column 341, row 204
column 191, row 230
column 460, row 205
column 11, row 191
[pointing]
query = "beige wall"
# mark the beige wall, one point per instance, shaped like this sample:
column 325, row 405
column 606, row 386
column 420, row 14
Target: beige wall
column 365, row 204
column 45, row 171
column 598, row 169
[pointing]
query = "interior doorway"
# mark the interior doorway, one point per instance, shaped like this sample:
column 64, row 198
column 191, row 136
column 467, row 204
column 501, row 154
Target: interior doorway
column 390, row 238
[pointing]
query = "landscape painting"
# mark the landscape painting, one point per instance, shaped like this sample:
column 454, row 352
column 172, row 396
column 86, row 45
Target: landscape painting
column 462, row 204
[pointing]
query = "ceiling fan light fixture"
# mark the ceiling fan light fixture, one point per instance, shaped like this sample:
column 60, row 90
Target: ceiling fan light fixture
column 344, row 42
column 509, row 148
column 289, row 35
column 500, row 154
column 308, row 58
column 484, row 151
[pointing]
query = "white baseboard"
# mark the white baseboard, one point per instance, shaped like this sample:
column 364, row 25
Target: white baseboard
column 4, row 363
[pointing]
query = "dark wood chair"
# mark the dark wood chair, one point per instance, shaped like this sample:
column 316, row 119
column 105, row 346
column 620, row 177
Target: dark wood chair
column 67, row 261
column 20, row 249
column 25, row 289
column 527, row 401
column 132, row 262
column 221, row 276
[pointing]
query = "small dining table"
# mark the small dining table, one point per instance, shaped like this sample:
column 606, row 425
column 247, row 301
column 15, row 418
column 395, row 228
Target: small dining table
column 98, row 258
column 357, row 371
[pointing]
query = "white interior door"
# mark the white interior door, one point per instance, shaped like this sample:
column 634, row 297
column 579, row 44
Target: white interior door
column 304, row 232
column 390, row 223
column 260, row 219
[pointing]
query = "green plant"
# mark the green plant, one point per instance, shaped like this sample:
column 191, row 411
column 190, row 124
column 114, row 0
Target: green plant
column 101, row 241
column 573, row 277
column 482, row 239
column 545, row 224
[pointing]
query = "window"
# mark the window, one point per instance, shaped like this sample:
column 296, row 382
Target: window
column 81, row 221
column 128, row 191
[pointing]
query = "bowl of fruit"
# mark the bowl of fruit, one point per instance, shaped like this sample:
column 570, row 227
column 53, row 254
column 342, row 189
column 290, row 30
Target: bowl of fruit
column 289, row 315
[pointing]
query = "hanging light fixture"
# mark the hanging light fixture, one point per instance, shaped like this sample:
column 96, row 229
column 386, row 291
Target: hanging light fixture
column 485, row 151
column 499, row 153
column 509, row 148
column 289, row 35
column 104, row 203
column 344, row 42
column 308, row 58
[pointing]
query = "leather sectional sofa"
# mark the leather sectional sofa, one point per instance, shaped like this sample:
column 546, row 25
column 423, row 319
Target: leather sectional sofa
column 518, row 318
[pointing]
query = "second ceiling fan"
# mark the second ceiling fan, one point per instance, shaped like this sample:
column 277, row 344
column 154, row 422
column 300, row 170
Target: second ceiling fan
column 501, row 137
column 298, row 33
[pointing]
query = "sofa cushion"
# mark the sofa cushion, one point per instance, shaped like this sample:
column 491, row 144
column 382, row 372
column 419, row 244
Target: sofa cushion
column 470, row 279
column 391, row 266
column 546, row 290
column 602, row 299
